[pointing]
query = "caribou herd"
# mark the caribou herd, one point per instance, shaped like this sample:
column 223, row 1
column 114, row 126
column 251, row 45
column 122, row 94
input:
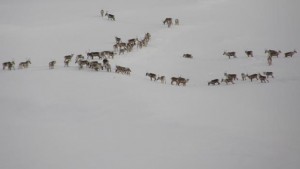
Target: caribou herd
column 121, row 47
column 230, row 78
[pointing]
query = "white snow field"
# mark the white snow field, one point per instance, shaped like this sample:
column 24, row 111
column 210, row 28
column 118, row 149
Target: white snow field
column 66, row 118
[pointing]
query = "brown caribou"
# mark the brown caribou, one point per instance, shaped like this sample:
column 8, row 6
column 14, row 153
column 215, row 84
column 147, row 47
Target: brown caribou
column 123, row 70
column 67, row 61
column 110, row 16
column 272, row 53
column 287, row 54
column 24, row 64
column 268, row 74
column 263, row 79
column 231, row 76
column 9, row 65
column 179, row 80
column 249, row 53
column 253, row 76
column 213, row 82
column 228, row 80
column 94, row 54
column 229, row 54
column 244, row 76
column 68, row 57
column 187, row 56
column 162, row 79
column 51, row 64
column 152, row 76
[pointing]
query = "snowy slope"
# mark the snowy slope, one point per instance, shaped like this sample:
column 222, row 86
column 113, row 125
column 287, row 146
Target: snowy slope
column 70, row 118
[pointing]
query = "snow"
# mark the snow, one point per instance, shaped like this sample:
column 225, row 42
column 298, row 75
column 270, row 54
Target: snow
column 69, row 118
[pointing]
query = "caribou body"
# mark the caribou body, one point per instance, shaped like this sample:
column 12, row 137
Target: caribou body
column 263, row 79
column 230, row 54
column 123, row 70
column 110, row 16
column 51, row 64
column 187, row 56
column 249, row 53
column 231, row 76
column 287, row 54
column 24, row 64
column 179, row 80
column 162, row 79
column 213, row 82
column 272, row 53
column 253, row 76
column 94, row 54
column 9, row 65
column 168, row 21
column 268, row 74
column 152, row 76
column 228, row 80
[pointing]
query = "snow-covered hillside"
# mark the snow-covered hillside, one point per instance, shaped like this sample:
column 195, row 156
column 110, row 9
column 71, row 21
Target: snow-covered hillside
column 68, row 118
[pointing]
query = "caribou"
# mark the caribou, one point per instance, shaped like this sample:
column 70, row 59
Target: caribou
column 79, row 57
column 140, row 44
column 82, row 62
column 152, row 76
column 116, row 47
column 67, row 61
column 174, row 79
column 287, row 54
column 51, row 64
column 102, row 12
column 249, row 53
column 9, row 65
column 107, row 67
column 110, row 16
column 118, row 40
column 107, row 54
column 182, row 81
column 129, row 47
column 268, row 74
column 176, row 21
column 147, row 36
column 231, row 76
column 92, row 64
column 95, row 65
column 105, row 61
column 179, row 80
column 24, row 64
column 162, row 79
column 253, row 76
column 228, row 80
column 168, row 21
column 94, row 54
column 263, row 79
column 269, row 59
column 272, row 53
column 123, row 70
column 213, row 82
column 132, row 41
column 122, row 45
column 187, row 56
column 244, row 76
column 68, row 57
column 122, row 51
column 229, row 54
